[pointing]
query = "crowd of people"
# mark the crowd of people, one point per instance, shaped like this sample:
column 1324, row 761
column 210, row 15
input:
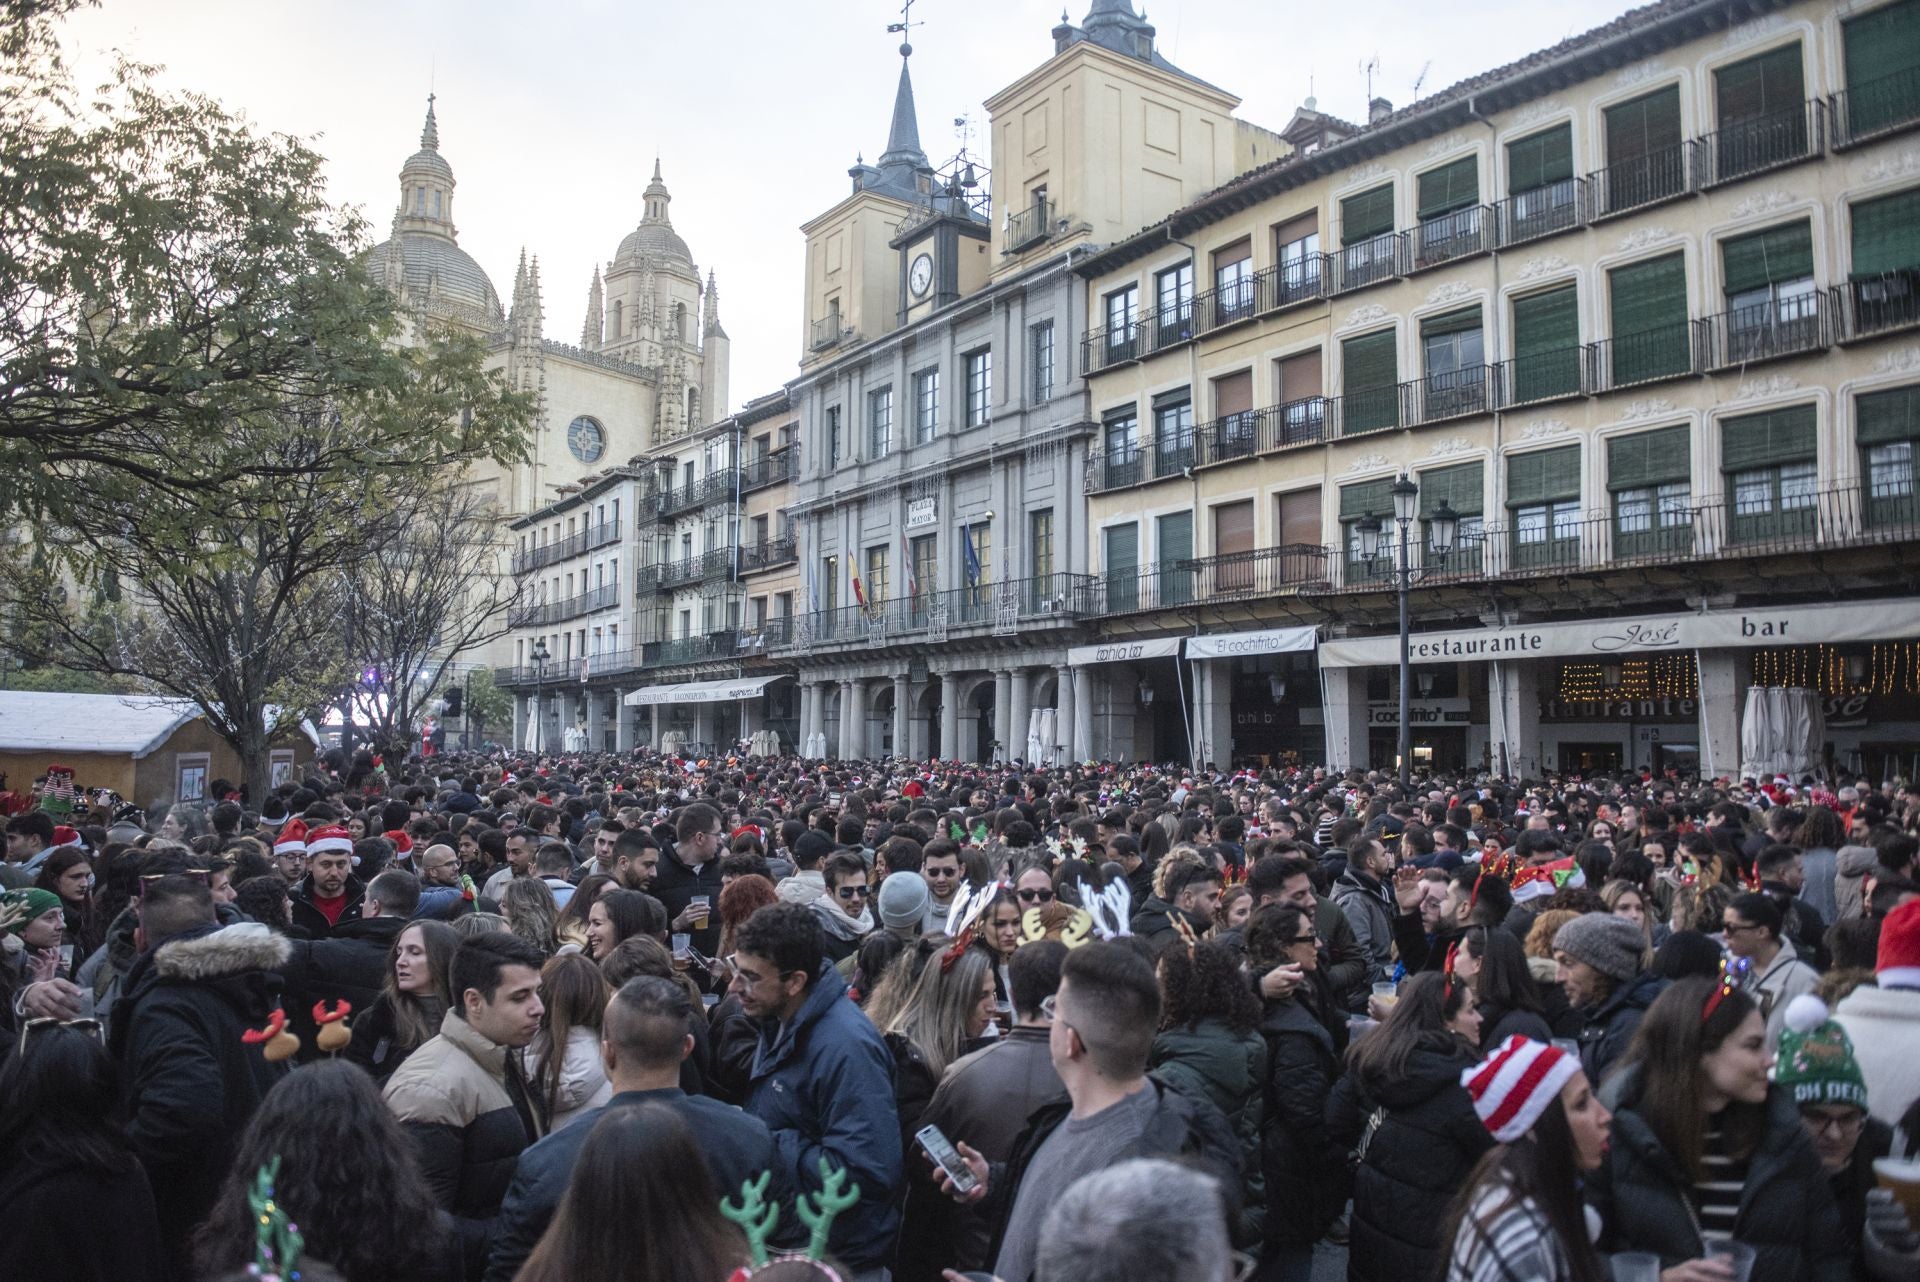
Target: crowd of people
column 644, row 1019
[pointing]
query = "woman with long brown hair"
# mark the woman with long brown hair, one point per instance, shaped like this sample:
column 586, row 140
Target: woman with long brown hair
column 563, row 1061
column 412, row 1002
column 640, row 1166
column 1709, row 1156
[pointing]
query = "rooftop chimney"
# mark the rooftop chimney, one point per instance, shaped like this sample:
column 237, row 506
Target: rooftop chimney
column 1378, row 110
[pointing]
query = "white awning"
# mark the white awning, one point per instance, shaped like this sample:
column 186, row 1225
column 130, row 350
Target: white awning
column 702, row 691
column 1231, row 645
column 1122, row 651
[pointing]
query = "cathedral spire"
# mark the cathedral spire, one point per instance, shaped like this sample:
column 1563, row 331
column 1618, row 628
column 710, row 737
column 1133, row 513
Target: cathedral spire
column 710, row 310
column 903, row 135
column 591, row 331
column 656, row 198
column 430, row 132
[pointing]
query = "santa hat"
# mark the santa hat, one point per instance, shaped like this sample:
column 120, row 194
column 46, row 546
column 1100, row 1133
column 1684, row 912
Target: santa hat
column 292, row 837
column 1898, row 962
column 1512, row 1087
column 402, row 844
column 65, row 836
column 331, row 837
column 1544, row 881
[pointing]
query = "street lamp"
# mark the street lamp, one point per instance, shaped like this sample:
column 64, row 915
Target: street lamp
column 539, row 654
column 1443, row 528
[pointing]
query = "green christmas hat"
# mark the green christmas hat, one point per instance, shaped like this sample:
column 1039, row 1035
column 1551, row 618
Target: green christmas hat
column 1816, row 1059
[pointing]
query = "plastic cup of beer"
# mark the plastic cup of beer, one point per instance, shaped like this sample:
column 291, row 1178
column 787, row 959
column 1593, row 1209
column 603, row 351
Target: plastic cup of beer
column 1386, row 993
column 1902, row 1179
column 702, row 905
column 1738, row 1255
column 1636, row 1266
column 682, row 951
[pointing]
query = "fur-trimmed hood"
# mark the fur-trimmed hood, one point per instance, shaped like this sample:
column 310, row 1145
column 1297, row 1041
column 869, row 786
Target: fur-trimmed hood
column 230, row 950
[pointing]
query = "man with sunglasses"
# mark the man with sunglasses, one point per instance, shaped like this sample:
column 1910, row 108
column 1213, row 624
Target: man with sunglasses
column 822, row 1079
column 844, row 911
column 1193, row 891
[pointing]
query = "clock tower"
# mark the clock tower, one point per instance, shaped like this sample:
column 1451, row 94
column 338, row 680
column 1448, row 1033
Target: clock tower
column 944, row 253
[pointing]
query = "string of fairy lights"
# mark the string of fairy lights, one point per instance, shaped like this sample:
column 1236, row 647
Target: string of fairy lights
column 1885, row 667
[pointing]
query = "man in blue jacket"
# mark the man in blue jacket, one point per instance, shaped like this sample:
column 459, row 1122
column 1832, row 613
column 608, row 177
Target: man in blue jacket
column 822, row 1079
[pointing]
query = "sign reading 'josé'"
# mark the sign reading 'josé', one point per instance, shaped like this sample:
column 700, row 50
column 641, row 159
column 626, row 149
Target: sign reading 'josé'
column 1801, row 624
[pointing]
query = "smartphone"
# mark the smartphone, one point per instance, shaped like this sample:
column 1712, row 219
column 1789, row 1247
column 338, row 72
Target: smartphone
column 942, row 1151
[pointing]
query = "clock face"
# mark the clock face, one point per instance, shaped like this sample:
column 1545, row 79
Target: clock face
column 587, row 439
column 920, row 275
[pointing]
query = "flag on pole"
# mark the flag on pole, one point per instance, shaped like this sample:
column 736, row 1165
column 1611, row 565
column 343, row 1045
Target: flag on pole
column 972, row 555
column 859, row 593
column 813, row 592
column 906, row 559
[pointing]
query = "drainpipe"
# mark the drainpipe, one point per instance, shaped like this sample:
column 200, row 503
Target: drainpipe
column 1494, row 317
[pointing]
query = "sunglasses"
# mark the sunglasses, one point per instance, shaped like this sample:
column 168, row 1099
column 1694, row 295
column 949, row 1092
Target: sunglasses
column 40, row 1024
column 851, row 892
column 1036, row 896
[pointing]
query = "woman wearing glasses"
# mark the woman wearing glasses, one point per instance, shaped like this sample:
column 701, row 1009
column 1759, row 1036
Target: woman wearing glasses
column 1305, row 1171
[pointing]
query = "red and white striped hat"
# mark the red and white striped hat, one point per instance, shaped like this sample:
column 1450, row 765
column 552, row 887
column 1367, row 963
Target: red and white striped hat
column 1514, row 1085
column 292, row 837
column 331, row 837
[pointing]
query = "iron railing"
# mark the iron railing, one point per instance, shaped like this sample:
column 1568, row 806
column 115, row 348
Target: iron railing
column 1790, row 326
column 575, row 544
column 1860, row 112
column 572, row 607
column 1370, row 261
column 674, row 574
column 1640, row 181
column 771, row 469
column 1173, row 324
column 1872, row 305
column 712, row 645
column 1628, row 360
column 1029, row 226
column 1266, row 572
column 1543, row 376
column 1106, row 346
column 1298, row 280
column 1227, row 304
column 674, row 500
column 827, row 332
column 1459, row 393
column 1018, row 604
column 755, row 557
column 1450, row 236
column 1543, row 211
column 1743, row 147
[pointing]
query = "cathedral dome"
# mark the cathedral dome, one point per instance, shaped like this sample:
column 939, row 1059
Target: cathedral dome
column 657, row 241
column 438, row 271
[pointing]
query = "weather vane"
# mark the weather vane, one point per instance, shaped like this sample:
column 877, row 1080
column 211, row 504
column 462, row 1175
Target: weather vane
column 904, row 27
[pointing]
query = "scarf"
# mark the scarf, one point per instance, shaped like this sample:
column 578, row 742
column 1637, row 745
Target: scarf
column 838, row 923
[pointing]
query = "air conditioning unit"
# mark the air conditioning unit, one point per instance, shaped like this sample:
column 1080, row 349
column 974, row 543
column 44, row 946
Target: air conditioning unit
column 1051, row 605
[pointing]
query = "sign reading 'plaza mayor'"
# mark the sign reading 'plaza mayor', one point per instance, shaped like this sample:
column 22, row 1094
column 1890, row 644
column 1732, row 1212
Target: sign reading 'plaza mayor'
column 1706, row 630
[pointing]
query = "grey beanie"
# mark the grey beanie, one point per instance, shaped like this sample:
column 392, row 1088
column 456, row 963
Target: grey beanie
column 903, row 900
column 1611, row 945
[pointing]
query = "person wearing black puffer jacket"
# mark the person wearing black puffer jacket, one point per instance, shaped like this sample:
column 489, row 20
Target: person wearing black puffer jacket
column 1707, row 1149
column 349, row 965
column 1304, row 1169
column 1402, row 1108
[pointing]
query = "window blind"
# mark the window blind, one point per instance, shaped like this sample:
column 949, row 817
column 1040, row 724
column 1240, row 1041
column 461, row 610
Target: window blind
column 1366, row 215
column 1454, row 322
column 1542, row 159
column 1649, row 458
column 1460, row 487
column 1883, row 66
column 1233, row 528
column 1369, row 361
column 1644, row 126
column 1769, row 257
column 1123, row 548
column 1894, row 415
column 1760, row 86
column 1450, row 187
column 1368, row 496
column 1768, row 439
column 1543, row 476
column 1648, row 296
column 1548, row 322
column 1886, row 233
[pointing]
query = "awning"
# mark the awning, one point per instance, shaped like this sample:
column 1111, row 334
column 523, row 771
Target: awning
column 1122, row 651
column 702, row 691
column 1233, row 645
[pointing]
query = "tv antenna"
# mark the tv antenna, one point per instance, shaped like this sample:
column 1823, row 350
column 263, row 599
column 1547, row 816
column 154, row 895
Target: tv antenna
column 1371, row 67
column 1421, row 79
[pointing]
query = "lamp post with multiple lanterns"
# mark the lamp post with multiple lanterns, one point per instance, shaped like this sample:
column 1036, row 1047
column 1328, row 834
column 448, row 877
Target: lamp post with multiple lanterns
column 1443, row 528
column 539, row 654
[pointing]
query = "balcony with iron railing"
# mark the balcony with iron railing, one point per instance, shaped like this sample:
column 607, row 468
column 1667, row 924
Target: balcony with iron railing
column 827, row 332
column 1631, row 360
column 1452, row 236
column 1170, row 325
column 1790, row 326
column 1233, row 576
column 768, row 469
column 1028, row 227
column 679, row 573
column 1640, row 182
column 1542, row 376
column 1368, row 262
column 1860, row 113
column 769, row 553
column 1544, row 211
column 1229, row 304
column 572, row 607
column 1018, row 605
column 1869, row 306
column 722, row 644
column 578, row 543
column 1106, row 346
column 1302, row 279
column 1742, row 148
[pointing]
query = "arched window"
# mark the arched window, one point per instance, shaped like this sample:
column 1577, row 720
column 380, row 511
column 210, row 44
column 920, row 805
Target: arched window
column 436, row 204
column 419, row 200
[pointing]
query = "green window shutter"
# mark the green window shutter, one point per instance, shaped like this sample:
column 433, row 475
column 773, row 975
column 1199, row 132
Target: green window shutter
column 1467, row 318
column 1176, row 538
column 1886, row 233
column 1450, row 187
column 1542, row 159
column 1123, row 548
column 1650, row 296
column 1460, row 487
column 1887, row 416
column 1765, row 440
column 1369, row 361
column 1883, row 66
column 1368, row 496
column 1768, row 257
column 1366, row 215
column 1548, row 322
column 1649, row 458
column 1643, row 127
column 1760, row 86
column 1543, row 476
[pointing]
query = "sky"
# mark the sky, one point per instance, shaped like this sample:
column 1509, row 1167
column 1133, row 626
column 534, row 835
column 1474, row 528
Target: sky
column 551, row 115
